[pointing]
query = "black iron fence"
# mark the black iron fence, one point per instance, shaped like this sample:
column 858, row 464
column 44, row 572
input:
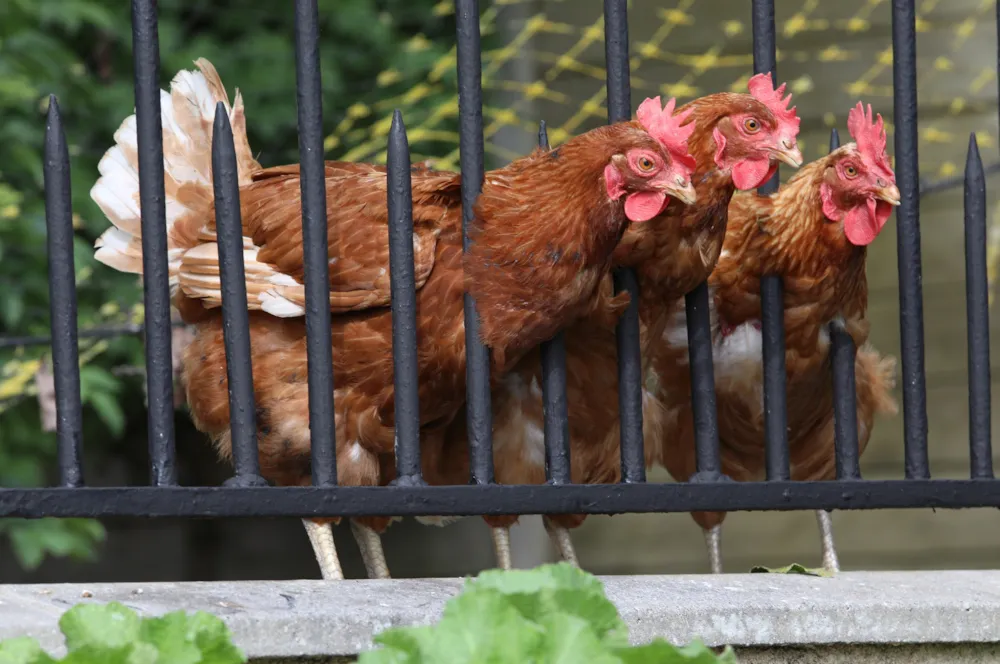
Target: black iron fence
column 246, row 494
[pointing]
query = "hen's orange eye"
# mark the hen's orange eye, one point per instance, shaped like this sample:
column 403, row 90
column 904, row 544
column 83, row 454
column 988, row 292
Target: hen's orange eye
column 645, row 163
column 850, row 171
column 751, row 125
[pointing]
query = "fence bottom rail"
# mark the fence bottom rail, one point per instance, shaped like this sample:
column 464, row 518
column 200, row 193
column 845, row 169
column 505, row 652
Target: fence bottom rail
column 351, row 501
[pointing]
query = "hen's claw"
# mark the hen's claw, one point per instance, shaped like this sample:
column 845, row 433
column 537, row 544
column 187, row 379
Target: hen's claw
column 562, row 541
column 501, row 544
column 830, row 562
column 321, row 538
column 713, row 540
column 370, row 543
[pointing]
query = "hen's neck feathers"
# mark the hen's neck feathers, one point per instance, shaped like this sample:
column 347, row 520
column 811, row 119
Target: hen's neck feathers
column 794, row 236
column 677, row 250
column 562, row 190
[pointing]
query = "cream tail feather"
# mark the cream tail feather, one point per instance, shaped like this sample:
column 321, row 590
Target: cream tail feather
column 187, row 113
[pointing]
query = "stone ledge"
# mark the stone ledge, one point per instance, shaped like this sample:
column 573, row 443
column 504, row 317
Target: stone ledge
column 310, row 618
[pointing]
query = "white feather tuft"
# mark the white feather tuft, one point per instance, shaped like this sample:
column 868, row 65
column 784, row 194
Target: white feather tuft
column 186, row 113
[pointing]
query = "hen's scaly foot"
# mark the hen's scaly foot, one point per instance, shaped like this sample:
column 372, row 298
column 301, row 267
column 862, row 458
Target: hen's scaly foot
column 830, row 562
column 321, row 538
column 370, row 543
column 562, row 541
column 713, row 540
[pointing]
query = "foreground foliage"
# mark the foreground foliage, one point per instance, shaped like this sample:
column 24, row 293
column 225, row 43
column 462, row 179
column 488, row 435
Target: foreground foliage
column 554, row 613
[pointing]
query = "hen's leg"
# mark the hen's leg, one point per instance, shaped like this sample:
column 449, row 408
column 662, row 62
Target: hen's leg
column 321, row 538
column 830, row 562
column 370, row 543
column 562, row 541
column 713, row 540
column 501, row 544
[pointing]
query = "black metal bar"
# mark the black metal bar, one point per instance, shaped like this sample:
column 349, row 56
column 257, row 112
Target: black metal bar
column 845, row 398
column 627, row 333
column 152, row 202
column 235, row 315
column 554, row 399
column 911, row 306
column 404, row 307
column 978, row 315
column 319, row 347
column 62, row 300
column 771, row 286
column 703, row 406
column 470, row 110
column 772, row 298
column 765, row 59
column 845, row 411
column 497, row 499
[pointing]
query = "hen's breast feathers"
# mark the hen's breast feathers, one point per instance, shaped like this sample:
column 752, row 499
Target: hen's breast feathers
column 357, row 238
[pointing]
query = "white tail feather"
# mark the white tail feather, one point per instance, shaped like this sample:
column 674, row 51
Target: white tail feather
column 187, row 113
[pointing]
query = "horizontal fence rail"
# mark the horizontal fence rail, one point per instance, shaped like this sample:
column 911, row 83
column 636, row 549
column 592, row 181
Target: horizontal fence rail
column 246, row 493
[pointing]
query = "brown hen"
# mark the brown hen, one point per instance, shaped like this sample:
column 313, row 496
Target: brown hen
column 737, row 141
column 543, row 234
column 814, row 233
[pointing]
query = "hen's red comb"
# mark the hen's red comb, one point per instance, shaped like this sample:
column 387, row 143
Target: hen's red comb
column 869, row 134
column 762, row 89
column 668, row 129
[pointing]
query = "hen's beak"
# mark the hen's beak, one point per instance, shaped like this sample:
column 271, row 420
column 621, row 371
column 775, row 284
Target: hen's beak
column 888, row 193
column 681, row 189
column 789, row 153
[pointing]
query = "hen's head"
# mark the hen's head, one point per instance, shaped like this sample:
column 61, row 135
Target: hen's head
column 757, row 132
column 653, row 163
column 859, row 185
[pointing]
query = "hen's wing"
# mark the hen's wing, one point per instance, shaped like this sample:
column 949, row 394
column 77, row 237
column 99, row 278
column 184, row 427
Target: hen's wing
column 357, row 238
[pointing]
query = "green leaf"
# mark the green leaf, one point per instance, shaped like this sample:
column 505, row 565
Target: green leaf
column 476, row 627
column 109, row 411
column 559, row 588
column 33, row 540
column 794, row 568
column 23, row 650
column 569, row 639
column 104, row 627
column 212, row 638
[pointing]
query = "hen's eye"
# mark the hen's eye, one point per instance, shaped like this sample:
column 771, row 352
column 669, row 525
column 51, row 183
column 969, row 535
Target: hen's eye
column 645, row 163
column 751, row 125
column 850, row 171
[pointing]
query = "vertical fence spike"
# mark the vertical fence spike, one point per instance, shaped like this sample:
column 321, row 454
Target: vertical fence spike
column 977, row 315
column 155, row 282
column 765, row 59
column 235, row 314
column 319, row 346
column 911, row 306
column 554, row 404
column 627, row 333
column 772, row 304
column 62, row 299
column 404, row 307
column 771, row 286
column 845, row 399
column 703, row 404
column 471, row 157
